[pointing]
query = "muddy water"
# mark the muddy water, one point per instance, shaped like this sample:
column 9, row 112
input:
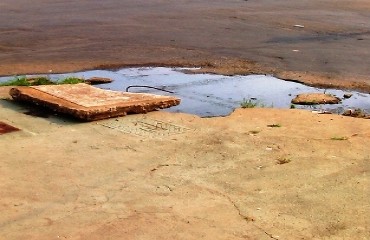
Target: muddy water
column 216, row 95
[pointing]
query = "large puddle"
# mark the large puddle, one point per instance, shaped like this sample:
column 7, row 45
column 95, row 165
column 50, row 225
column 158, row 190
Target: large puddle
column 209, row 95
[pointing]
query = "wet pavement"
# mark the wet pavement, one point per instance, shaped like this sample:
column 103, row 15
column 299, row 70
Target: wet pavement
column 209, row 95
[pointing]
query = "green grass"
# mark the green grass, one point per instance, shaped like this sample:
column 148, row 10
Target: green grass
column 36, row 81
column 71, row 80
column 16, row 81
column 23, row 81
column 249, row 103
column 40, row 81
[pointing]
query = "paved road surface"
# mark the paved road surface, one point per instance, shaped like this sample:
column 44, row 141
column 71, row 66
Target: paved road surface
column 71, row 35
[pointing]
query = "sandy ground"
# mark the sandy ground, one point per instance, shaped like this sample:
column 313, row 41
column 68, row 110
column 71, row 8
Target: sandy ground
column 218, row 178
column 235, row 177
column 235, row 36
column 221, row 178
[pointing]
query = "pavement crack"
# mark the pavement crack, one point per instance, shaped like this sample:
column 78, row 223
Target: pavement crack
column 269, row 234
column 243, row 216
column 236, row 207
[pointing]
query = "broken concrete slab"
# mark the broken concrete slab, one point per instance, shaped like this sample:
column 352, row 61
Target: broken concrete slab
column 90, row 103
column 315, row 98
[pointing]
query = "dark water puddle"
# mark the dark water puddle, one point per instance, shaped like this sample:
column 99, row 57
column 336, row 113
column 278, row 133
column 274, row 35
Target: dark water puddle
column 209, row 95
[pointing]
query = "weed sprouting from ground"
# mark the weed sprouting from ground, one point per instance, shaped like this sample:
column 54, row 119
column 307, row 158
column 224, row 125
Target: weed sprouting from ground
column 250, row 103
column 71, row 80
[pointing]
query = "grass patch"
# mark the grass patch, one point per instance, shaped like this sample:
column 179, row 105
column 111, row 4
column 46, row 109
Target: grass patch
column 36, row 81
column 39, row 81
column 16, row 81
column 339, row 138
column 277, row 125
column 250, row 103
column 71, row 80
column 24, row 81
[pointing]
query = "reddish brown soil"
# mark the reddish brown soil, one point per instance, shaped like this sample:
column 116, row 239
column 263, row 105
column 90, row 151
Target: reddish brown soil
column 226, row 36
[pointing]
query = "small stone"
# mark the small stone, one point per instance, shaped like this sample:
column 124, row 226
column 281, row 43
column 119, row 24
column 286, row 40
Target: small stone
column 98, row 80
column 259, row 167
column 315, row 98
column 347, row 112
column 347, row 95
column 358, row 113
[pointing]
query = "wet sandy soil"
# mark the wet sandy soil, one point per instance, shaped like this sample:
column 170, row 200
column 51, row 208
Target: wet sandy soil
column 224, row 36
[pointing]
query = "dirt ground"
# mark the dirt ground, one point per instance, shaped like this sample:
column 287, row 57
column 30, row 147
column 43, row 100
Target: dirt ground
column 235, row 36
column 257, row 174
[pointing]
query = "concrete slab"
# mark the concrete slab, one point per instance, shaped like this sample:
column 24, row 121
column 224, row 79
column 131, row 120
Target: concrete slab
column 89, row 103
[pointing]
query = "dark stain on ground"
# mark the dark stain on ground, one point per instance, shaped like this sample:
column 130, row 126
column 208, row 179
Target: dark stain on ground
column 38, row 112
column 6, row 128
column 320, row 37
